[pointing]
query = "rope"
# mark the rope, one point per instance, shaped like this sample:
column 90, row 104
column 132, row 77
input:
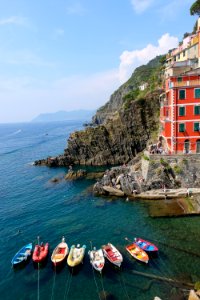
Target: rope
column 122, row 282
column 53, row 286
column 68, row 285
column 103, row 286
column 38, row 279
column 38, row 286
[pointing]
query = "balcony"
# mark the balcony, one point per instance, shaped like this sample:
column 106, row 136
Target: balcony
column 188, row 83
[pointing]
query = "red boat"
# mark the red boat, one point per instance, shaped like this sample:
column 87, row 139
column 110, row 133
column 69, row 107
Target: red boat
column 40, row 252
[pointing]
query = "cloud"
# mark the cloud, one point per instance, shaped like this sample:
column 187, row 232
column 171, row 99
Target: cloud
column 141, row 5
column 76, row 9
column 15, row 20
column 132, row 59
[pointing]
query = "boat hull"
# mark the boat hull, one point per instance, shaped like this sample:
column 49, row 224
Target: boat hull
column 22, row 255
column 60, row 253
column 112, row 254
column 97, row 259
column 145, row 245
column 136, row 252
column 40, row 253
column 76, row 256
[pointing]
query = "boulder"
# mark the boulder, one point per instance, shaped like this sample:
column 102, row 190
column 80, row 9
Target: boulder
column 113, row 191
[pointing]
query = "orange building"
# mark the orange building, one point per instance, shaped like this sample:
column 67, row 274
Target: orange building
column 180, row 113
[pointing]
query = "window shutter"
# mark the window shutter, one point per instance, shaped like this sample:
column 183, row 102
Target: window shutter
column 197, row 110
column 197, row 93
column 181, row 127
column 181, row 94
column 196, row 126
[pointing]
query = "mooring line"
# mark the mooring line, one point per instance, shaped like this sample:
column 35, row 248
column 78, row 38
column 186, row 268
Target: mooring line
column 38, row 285
column 122, row 282
column 69, row 283
column 53, row 286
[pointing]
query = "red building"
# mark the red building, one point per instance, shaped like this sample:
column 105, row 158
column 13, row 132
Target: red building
column 180, row 113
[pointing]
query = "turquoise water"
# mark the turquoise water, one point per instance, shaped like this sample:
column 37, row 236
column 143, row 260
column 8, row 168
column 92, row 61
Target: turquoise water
column 30, row 205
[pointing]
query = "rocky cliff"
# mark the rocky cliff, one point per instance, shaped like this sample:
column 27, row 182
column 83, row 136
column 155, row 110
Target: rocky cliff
column 121, row 128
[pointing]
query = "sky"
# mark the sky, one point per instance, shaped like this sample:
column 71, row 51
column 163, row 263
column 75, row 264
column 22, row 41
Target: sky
column 73, row 54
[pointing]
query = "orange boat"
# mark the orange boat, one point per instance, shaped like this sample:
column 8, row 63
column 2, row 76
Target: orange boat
column 137, row 253
column 40, row 252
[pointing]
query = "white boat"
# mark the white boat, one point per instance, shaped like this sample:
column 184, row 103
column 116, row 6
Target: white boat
column 60, row 252
column 97, row 259
column 112, row 254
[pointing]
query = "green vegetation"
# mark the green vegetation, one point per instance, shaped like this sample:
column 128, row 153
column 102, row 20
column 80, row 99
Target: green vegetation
column 197, row 286
column 145, row 157
column 177, row 169
column 150, row 74
column 195, row 8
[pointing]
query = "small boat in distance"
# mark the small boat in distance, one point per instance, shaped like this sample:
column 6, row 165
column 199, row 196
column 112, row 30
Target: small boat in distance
column 76, row 255
column 112, row 254
column 22, row 255
column 60, row 253
column 97, row 259
column 145, row 245
column 137, row 253
column 40, row 252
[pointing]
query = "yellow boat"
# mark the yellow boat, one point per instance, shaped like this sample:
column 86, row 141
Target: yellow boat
column 76, row 255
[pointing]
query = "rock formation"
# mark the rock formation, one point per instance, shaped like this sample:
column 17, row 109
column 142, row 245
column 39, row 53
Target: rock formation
column 121, row 128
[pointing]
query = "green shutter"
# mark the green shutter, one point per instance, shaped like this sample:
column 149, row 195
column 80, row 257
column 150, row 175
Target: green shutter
column 196, row 126
column 181, row 94
column 182, row 111
column 197, row 110
column 179, row 79
column 181, row 127
column 197, row 93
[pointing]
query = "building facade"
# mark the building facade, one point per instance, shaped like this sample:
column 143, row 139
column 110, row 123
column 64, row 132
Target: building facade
column 180, row 103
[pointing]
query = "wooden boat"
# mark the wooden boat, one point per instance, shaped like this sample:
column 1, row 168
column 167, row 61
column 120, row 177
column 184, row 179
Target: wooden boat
column 60, row 253
column 22, row 255
column 137, row 252
column 112, row 254
column 76, row 255
column 145, row 245
column 40, row 252
column 97, row 259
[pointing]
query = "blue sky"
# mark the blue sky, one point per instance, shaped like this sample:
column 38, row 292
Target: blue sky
column 67, row 54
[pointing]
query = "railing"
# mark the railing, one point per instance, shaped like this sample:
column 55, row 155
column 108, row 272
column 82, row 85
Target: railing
column 185, row 83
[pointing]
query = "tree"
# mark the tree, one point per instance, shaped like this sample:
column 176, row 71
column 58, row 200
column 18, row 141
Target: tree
column 195, row 8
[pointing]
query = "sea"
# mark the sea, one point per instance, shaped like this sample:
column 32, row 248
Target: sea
column 31, row 205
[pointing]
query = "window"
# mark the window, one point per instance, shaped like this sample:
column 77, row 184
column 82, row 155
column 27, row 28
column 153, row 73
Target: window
column 197, row 93
column 179, row 79
column 197, row 110
column 183, row 53
column 196, row 126
column 182, row 111
column 181, row 127
column 181, row 94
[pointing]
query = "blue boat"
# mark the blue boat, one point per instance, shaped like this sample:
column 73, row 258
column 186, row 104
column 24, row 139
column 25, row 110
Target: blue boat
column 145, row 245
column 22, row 255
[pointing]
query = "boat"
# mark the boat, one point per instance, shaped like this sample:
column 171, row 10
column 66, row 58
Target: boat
column 137, row 252
column 22, row 255
column 76, row 255
column 145, row 245
column 112, row 254
column 97, row 259
column 40, row 252
column 60, row 253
